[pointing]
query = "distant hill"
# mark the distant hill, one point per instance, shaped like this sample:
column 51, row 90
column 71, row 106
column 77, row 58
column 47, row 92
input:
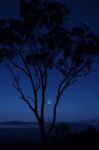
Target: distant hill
column 16, row 123
column 70, row 124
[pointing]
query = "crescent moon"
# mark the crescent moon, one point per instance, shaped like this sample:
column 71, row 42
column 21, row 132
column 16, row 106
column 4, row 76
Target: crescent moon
column 49, row 102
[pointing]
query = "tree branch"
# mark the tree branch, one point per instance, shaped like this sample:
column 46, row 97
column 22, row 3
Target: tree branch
column 31, row 81
column 18, row 87
column 18, row 67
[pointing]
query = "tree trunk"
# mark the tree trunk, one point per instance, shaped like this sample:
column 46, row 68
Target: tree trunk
column 44, row 139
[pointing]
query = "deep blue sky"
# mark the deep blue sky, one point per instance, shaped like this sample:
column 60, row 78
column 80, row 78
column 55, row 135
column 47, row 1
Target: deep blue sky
column 80, row 101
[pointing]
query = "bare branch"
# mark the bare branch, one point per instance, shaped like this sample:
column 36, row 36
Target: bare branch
column 38, row 82
column 18, row 67
column 19, row 88
column 31, row 81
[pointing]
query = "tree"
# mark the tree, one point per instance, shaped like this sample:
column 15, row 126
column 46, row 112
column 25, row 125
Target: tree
column 39, row 42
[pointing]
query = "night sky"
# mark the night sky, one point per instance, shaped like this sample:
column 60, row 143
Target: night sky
column 81, row 100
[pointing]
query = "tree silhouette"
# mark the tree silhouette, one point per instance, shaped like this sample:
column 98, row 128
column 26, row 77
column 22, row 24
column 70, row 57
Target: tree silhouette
column 39, row 42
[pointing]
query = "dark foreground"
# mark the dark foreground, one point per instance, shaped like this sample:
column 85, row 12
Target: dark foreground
column 62, row 138
column 19, row 136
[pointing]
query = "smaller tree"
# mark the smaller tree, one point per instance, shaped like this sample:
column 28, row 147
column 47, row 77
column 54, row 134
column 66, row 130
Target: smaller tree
column 38, row 43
